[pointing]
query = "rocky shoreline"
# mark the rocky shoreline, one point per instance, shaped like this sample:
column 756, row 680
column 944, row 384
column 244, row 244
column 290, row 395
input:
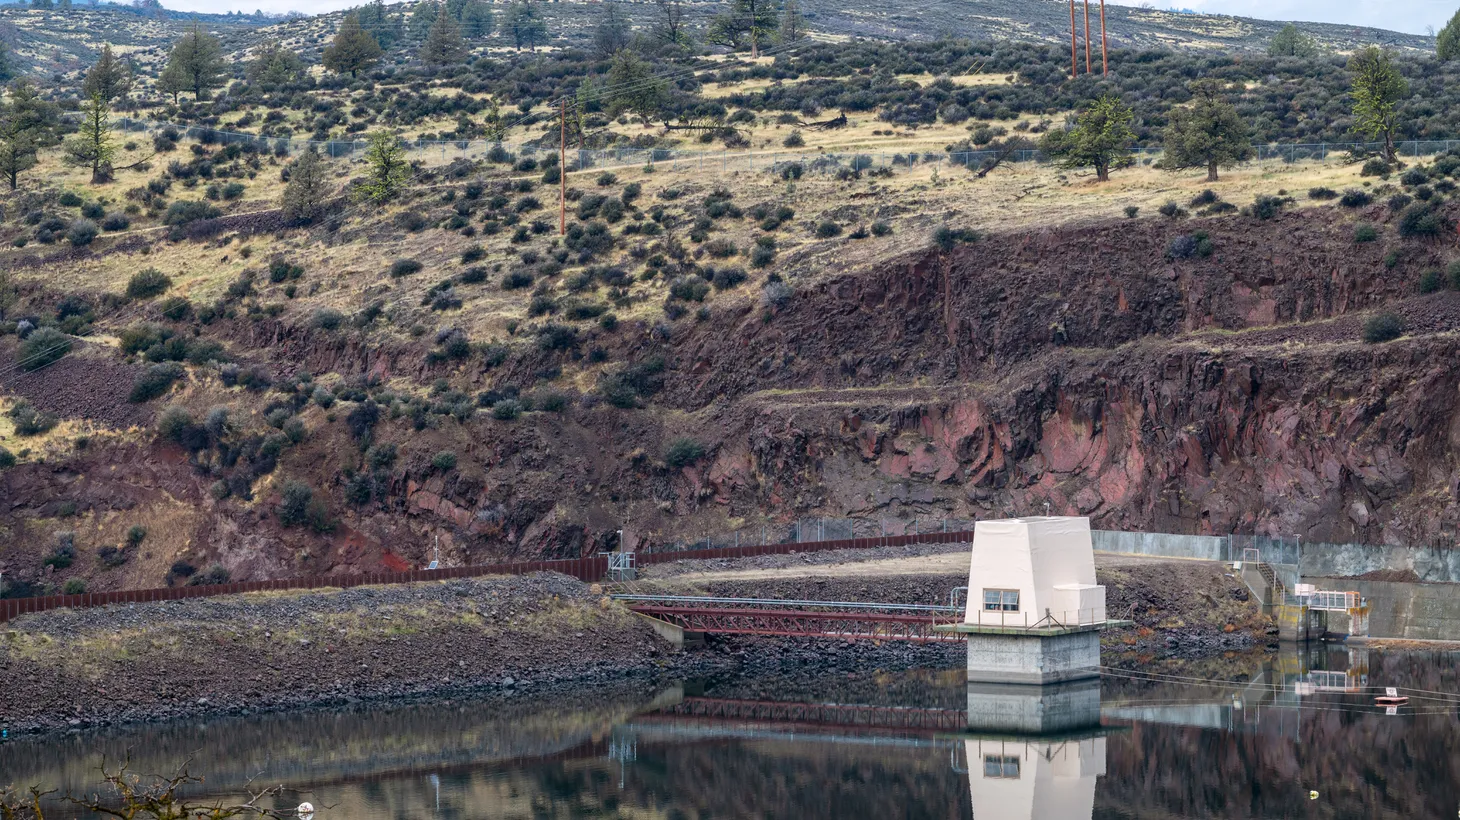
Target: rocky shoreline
column 492, row 638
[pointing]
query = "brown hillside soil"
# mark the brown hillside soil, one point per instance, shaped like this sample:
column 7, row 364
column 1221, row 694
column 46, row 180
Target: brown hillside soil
column 1077, row 366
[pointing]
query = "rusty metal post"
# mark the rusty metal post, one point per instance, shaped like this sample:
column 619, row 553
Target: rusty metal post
column 1074, row 49
column 1104, row 52
column 1089, row 69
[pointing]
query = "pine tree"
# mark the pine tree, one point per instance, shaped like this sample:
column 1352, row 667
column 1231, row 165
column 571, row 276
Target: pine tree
column 1207, row 134
column 308, row 189
column 1100, row 138
column 746, row 24
column 109, row 77
column 1290, row 42
column 1447, row 42
column 354, row 49
column 196, row 64
column 18, row 137
column 1377, row 92
column 793, row 25
column 387, row 170
column 612, row 32
column 423, row 17
column 525, row 24
column 92, row 147
column 444, row 45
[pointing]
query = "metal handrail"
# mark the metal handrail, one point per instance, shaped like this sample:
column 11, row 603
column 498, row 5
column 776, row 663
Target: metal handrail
column 692, row 600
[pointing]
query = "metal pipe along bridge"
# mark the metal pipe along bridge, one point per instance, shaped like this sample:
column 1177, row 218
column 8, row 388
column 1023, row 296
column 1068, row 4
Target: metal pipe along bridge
column 845, row 620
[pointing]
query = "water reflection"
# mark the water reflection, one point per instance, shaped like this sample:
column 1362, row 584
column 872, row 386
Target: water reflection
column 1158, row 741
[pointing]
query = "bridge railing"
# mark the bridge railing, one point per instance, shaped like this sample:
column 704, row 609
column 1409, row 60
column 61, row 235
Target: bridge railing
column 1033, row 620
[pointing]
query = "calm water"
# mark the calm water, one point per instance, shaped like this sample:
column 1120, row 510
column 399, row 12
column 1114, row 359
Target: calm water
column 877, row 745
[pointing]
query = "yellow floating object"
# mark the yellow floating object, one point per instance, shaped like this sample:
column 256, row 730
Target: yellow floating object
column 1312, row 795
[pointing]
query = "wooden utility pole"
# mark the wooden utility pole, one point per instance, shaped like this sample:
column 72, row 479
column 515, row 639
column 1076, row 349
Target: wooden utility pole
column 1074, row 50
column 1089, row 69
column 563, row 167
column 1104, row 52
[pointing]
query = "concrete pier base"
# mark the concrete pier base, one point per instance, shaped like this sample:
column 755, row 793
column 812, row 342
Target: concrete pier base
column 1034, row 710
column 1034, row 656
column 1297, row 622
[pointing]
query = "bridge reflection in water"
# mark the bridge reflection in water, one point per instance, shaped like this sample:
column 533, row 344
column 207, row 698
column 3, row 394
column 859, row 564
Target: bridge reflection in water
column 1017, row 752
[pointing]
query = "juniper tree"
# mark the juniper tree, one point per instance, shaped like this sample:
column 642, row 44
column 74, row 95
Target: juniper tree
column 1207, row 134
column 195, row 64
column 1099, row 138
column 612, row 32
column 1290, row 42
column 109, row 77
column 1378, row 89
column 353, row 50
column 274, row 66
column 634, row 86
column 92, row 147
column 670, row 27
column 1447, row 42
column 444, row 45
column 747, row 23
column 475, row 19
column 308, row 189
column 524, row 22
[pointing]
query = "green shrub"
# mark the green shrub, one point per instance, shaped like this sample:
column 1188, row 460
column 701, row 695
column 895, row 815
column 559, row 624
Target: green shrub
column 281, row 269
column 444, row 461
column 1383, row 328
column 148, row 283
column 135, row 534
column 948, row 238
column 1132, row 211
column 173, row 423
column 404, row 267
column 7, row 458
column 154, row 381
column 183, row 212
column 507, row 409
column 826, row 229
column 551, row 401
column 43, row 346
column 1266, row 207
column 1375, row 167
column 216, row 575
column 1366, row 232
column 64, row 554
column 683, row 452
column 1420, row 221
column 1322, row 193
column 689, row 289
column 1355, row 198
column 880, row 228
column 1431, row 281
column 381, row 456
column 294, row 500
column 182, row 569
column 1452, row 273
column 29, row 421
column 327, row 318
column 82, row 233
column 74, row 586
column 111, row 557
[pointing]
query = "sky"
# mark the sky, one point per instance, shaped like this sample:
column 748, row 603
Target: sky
column 1410, row 16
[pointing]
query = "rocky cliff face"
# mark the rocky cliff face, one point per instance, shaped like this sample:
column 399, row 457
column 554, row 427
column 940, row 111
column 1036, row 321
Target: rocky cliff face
column 1080, row 368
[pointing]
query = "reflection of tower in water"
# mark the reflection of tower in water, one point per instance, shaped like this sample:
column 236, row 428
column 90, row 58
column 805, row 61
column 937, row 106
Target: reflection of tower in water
column 1034, row 752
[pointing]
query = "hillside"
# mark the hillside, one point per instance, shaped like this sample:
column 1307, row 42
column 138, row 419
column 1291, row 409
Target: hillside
column 786, row 288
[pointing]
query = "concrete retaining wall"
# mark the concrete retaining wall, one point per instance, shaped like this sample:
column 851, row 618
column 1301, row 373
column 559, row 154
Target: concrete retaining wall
column 1429, row 563
column 1208, row 547
column 1400, row 610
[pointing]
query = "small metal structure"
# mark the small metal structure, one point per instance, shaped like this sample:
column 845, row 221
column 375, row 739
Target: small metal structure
column 621, row 566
